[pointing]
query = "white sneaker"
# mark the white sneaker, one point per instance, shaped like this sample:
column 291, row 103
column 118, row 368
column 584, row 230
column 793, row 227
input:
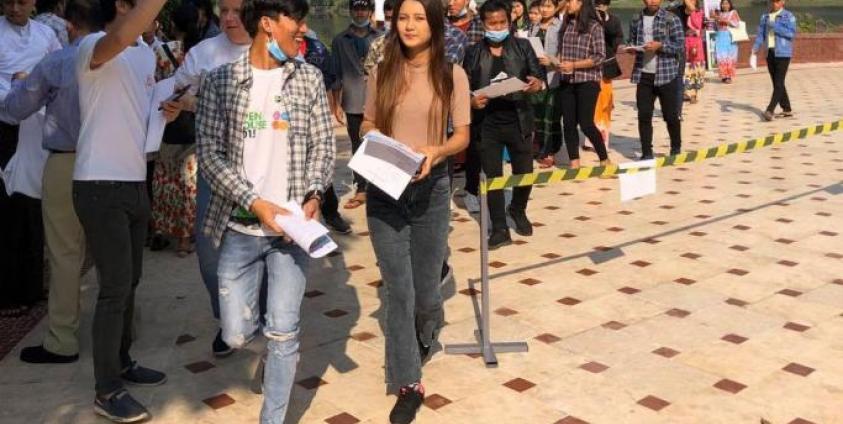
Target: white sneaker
column 472, row 203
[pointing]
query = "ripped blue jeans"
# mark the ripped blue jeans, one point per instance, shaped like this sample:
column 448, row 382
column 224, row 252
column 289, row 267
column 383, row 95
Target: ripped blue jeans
column 243, row 261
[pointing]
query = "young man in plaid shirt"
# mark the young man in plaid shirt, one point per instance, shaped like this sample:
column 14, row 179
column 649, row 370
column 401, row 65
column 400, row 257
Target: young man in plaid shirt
column 656, row 72
column 264, row 138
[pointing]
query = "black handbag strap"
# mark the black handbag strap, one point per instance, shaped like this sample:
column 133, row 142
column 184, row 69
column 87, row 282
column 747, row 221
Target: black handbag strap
column 170, row 55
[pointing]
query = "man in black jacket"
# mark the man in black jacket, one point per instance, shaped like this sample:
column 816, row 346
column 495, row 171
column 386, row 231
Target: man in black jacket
column 503, row 121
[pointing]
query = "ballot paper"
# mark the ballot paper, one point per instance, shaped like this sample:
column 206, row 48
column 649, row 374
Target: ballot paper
column 386, row 163
column 753, row 62
column 501, row 88
column 636, row 48
column 156, row 124
column 536, row 43
column 310, row 235
column 522, row 33
column 638, row 184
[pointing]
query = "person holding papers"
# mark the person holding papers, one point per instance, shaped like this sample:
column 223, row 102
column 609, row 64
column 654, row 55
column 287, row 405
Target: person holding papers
column 548, row 114
column 264, row 138
column 410, row 96
column 115, row 72
column 658, row 43
column 216, row 51
column 503, row 121
column 581, row 55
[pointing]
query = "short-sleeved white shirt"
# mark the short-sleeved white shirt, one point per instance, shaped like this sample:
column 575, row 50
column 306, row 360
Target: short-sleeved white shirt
column 114, row 102
column 204, row 57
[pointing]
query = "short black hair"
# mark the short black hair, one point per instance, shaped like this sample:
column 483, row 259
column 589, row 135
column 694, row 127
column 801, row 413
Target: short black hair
column 389, row 5
column 108, row 9
column 492, row 6
column 83, row 14
column 254, row 10
column 46, row 6
column 601, row 2
column 535, row 4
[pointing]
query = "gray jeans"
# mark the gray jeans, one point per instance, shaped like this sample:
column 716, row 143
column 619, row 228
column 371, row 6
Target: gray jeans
column 114, row 216
column 410, row 238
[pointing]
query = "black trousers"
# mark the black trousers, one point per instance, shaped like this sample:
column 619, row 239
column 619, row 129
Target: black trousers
column 21, row 237
column 353, row 122
column 472, row 166
column 777, row 66
column 645, row 99
column 493, row 138
column 578, row 102
column 114, row 216
column 330, row 204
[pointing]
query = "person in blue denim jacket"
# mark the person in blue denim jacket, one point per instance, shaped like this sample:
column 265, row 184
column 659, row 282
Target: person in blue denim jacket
column 777, row 31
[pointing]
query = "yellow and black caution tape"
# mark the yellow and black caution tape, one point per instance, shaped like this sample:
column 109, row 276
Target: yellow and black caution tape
column 564, row 174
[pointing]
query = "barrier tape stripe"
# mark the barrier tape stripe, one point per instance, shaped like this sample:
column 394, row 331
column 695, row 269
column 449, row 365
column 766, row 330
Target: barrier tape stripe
column 565, row 174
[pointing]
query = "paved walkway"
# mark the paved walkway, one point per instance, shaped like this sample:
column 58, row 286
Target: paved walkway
column 719, row 300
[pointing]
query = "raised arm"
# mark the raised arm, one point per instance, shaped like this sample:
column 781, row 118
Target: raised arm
column 125, row 30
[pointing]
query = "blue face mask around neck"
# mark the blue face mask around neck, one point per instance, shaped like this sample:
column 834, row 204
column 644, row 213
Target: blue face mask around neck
column 276, row 51
column 497, row 36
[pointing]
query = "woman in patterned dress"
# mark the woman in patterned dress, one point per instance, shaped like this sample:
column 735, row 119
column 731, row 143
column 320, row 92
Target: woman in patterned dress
column 174, row 178
column 726, row 50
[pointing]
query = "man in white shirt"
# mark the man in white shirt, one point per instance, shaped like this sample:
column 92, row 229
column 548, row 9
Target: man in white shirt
column 114, row 70
column 216, row 51
column 23, row 43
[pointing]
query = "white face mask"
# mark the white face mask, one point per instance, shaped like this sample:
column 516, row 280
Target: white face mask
column 361, row 22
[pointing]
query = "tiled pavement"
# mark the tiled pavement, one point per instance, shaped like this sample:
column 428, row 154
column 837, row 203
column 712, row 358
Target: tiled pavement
column 719, row 300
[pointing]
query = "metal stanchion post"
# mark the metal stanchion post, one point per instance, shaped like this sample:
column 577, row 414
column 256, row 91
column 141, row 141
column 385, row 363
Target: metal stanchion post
column 484, row 344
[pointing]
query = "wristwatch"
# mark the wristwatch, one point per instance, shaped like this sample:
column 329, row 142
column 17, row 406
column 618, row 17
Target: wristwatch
column 313, row 194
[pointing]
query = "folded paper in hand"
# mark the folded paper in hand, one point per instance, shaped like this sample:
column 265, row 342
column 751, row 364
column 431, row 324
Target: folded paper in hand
column 310, row 235
column 536, row 43
column 386, row 163
column 156, row 124
column 500, row 88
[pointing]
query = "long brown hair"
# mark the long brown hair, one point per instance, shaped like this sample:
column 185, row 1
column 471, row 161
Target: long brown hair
column 393, row 74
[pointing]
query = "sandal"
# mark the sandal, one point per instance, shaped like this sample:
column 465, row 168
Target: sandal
column 184, row 250
column 546, row 162
column 355, row 202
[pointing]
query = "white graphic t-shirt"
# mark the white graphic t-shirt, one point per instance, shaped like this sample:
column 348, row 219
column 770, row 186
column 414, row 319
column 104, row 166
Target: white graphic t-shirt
column 265, row 145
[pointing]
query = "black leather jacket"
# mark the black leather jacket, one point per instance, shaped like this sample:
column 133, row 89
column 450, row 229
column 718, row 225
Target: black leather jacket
column 519, row 61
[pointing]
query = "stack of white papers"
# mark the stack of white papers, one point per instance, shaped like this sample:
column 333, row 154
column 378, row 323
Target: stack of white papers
column 536, row 43
column 310, row 235
column 386, row 163
column 500, row 88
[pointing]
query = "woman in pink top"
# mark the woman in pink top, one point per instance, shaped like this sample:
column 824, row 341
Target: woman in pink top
column 410, row 97
column 694, row 52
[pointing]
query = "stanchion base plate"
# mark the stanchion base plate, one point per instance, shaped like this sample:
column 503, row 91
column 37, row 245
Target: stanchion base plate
column 489, row 353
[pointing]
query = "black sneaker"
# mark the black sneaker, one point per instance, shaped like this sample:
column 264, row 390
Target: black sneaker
column 120, row 407
column 39, row 355
column 158, row 243
column 409, row 401
column 447, row 273
column 523, row 226
column 140, row 376
column 336, row 223
column 220, row 348
column 499, row 238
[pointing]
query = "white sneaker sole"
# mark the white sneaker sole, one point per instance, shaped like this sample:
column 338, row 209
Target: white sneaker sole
column 104, row 413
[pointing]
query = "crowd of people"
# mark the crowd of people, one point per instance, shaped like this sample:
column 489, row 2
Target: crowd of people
column 251, row 128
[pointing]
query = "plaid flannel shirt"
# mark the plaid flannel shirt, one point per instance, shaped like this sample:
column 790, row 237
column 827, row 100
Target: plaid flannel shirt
column 589, row 45
column 476, row 31
column 667, row 29
column 455, row 44
column 223, row 102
